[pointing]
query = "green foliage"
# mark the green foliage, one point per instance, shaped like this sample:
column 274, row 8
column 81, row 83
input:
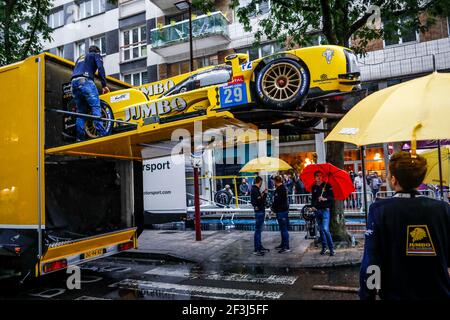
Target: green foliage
column 23, row 25
column 300, row 22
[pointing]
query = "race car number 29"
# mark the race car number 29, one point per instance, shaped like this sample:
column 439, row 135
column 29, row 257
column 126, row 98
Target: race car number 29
column 233, row 95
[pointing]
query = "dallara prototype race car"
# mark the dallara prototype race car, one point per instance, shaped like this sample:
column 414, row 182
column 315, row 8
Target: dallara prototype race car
column 266, row 91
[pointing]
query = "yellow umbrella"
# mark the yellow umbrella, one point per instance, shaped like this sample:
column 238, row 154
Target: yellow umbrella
column 432, row 176
column 265, row 164
column 418, row 109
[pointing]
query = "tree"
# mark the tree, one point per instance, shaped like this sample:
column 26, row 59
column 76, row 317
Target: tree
column 23, row 26
column 338, row 22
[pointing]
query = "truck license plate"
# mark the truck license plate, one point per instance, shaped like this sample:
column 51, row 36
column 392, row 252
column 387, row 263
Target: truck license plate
column 93, row 253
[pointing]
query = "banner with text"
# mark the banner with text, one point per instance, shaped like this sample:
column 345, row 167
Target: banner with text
column 165, row 185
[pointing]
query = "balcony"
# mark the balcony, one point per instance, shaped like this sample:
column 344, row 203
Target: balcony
column 208, row 30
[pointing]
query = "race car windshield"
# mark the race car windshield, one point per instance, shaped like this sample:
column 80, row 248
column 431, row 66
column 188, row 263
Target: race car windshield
column 203, row 79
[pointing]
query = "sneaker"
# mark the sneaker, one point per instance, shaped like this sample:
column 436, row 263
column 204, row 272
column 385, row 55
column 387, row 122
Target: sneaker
column 264, row 249
column 324, row 251
column 258, row 253
column 279, row 247
column 284, row 250
column 332, row 253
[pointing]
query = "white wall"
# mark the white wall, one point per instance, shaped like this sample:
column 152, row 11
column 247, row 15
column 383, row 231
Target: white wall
column 405, row 59
column 73, row 32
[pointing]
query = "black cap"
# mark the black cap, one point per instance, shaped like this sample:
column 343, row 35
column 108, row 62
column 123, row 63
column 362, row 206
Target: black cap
column 94, row 49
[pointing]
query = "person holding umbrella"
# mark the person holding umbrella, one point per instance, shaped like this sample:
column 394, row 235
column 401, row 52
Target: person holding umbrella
column 322, row 200
column 326, row 184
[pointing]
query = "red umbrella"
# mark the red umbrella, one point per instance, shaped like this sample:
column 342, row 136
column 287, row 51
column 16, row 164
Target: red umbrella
column 338, row 179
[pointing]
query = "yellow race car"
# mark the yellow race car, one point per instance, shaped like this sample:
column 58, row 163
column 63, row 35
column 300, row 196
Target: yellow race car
column 263, row 91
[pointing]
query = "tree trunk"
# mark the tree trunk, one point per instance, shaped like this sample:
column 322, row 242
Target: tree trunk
column 335, row 156
column 335, row 150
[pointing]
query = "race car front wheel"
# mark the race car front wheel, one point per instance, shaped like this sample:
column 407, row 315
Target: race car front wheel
column 107, row 113
column 282, row 83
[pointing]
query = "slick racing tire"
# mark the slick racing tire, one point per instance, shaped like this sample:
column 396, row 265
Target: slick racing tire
column 107, row 113
column 282, row 84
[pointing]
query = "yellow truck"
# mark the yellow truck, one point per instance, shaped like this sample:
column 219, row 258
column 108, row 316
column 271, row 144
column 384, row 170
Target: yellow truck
column 57, row 210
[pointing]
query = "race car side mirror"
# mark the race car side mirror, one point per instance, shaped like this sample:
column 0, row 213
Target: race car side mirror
column 235, row 60
column 240, row 57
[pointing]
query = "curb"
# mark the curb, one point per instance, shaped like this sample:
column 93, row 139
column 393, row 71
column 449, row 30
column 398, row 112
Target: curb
column 353, row 263
column 145, row 255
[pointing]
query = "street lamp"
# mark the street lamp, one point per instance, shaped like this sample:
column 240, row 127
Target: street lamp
column 183, row 6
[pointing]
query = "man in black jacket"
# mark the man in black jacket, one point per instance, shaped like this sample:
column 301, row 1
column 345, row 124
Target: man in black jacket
column 280, row 206
column 322, row 200
column 407, row 245
column 258, row 201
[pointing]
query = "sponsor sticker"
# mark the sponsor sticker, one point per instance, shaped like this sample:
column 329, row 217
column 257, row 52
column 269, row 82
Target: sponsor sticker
column 349, row 131
column 246, row 66
column 328, row 54
column 233, row 95
column 120, row 97
column 418, row 241
column 236, row 79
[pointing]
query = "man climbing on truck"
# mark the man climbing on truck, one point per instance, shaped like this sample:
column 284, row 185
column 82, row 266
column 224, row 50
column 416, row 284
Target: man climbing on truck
column 85, row 91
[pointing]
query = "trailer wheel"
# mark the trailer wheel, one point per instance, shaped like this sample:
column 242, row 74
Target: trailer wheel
column 282, row 83
column 107, row 113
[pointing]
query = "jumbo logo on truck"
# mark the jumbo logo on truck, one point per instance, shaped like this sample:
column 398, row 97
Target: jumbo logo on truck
column 155, row 108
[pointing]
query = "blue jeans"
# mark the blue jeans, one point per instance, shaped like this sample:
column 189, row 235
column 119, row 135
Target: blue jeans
column 283, row 222
column 323, row 221
column 85, row 94
column 259, row 222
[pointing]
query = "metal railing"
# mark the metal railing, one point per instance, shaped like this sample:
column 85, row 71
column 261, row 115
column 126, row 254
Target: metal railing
column 355, row 202
column 203, row 26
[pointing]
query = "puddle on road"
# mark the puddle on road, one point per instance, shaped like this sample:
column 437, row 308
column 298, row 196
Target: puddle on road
column 122, row 279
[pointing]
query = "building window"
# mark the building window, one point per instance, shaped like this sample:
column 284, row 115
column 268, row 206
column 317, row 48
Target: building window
column 448, row 25
column 80, row 48
column 261, row 8
column 136, row 78
column 56, row 19
column 261, row 51
column 403, row 36
column 177, row 68
column 60, row 51
column 91, row 8
column 101, row 43
column 134, row 43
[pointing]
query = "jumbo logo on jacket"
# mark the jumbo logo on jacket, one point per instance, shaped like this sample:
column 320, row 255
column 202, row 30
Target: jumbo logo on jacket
column 155, row 108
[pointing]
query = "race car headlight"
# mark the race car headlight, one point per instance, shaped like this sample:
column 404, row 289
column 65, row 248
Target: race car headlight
column 352, row 62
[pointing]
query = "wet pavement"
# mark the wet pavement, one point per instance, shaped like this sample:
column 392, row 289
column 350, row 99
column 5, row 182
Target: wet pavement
column 120, row 278
column 234, row 248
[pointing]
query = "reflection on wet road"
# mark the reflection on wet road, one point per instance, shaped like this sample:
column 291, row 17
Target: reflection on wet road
column 120, row 278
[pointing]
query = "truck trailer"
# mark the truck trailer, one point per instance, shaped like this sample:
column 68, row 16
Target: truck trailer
column 57, row 210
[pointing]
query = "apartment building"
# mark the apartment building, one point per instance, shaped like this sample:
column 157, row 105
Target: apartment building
column 143, row 41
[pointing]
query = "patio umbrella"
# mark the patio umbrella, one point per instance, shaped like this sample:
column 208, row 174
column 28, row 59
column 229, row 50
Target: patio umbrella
column 338, row 179
column 418, row 109
column 432, row 176
column 265, row 164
